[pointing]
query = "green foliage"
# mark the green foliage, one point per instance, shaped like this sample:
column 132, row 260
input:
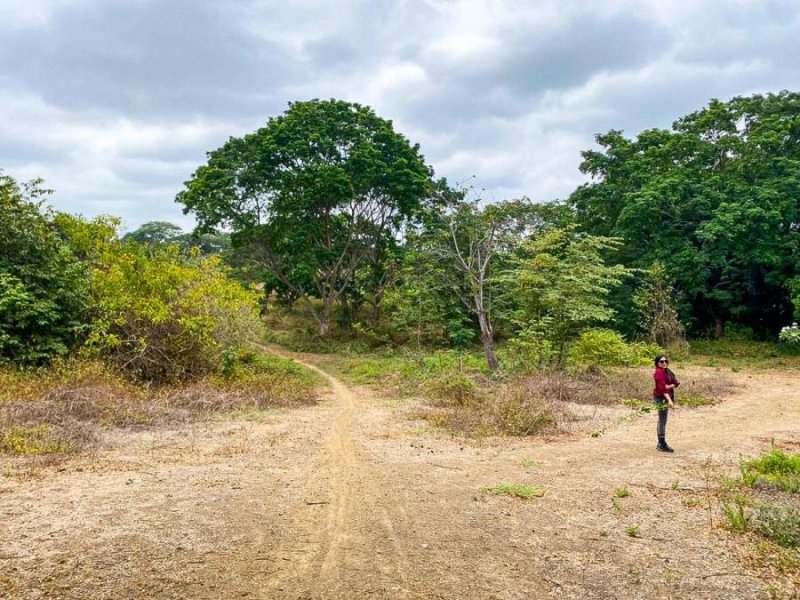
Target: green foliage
column 774, row 468
column 607, row 348
column 422, row 306
column 317, row 197
column 735, row 513
column 525, row 492
column 715, row 200
column 162, row 316
column 621, row 492
column 468, row 247
column 561, row 283
column 154, row 233
column 43, row 291
column 655, row 301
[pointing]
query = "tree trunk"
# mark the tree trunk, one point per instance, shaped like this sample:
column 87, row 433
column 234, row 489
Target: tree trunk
column 719, row 324
column 325, row 326
column 487, row 338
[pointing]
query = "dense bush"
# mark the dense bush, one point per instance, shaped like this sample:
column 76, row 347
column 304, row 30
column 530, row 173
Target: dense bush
column 162, row 316
column 607, row 348
column 43, row 285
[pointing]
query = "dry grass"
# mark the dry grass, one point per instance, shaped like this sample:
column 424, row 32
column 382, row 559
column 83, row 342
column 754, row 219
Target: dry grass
column 540, row 404
column 64, row 409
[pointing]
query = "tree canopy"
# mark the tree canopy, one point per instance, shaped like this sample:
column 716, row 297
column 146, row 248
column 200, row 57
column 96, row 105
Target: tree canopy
column 716, row 199
column 317, row 194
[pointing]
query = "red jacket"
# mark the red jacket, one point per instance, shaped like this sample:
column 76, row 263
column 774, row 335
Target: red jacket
column 662, row 379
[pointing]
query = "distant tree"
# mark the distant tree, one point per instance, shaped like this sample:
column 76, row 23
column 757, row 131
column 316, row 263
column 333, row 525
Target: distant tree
column 716, row 200
column 154, row 232
column 314, row 195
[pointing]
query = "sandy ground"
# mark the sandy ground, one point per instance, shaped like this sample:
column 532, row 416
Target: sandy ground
column 348, row 499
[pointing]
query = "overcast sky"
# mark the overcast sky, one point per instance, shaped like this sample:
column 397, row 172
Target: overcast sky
column 115, row 102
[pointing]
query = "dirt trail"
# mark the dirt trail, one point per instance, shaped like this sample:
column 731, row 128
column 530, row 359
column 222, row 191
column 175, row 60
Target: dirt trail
column 349, row 500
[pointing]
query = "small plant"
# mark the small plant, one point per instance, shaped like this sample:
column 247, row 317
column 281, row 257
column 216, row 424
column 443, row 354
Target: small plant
column 790, row 335
column 636, row 574
column 527, row 463
column 526, row 492
column 633, row 531
column 738, row 520
column 616, row 505
column 621, row 492
column 604, row 534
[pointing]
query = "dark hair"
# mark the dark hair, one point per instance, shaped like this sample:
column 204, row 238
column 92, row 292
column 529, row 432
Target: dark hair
column 658, row 359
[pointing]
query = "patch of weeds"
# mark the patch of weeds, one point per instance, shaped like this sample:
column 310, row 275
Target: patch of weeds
column 734, row 511
column 616, row 505
column 526, row 492
column 528, row 463
column 779, row 524
column 692, row 501
column 694, row 400
column 621, row 492
column 37, row 439
column 604, row 534
column 776, row 468
column 736, row 353
column 633, row 531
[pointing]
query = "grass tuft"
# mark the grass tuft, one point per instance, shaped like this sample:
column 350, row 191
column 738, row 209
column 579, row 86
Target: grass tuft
column 525, row 492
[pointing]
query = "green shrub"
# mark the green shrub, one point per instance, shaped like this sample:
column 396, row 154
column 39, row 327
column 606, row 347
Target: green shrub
column 774, row 468
column 43, row 291
column 162, row 316
column 451, row 388
column 790, row 335
column 607, row 348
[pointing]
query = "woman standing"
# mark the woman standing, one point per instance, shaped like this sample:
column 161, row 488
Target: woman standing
column 664, row 398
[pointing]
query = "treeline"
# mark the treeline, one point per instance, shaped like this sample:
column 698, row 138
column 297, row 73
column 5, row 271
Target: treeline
column 688, row 230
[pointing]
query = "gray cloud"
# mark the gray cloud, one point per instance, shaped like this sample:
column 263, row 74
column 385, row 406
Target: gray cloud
column 115, row 102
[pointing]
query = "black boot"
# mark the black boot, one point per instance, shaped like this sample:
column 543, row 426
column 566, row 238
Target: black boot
column 663, row 446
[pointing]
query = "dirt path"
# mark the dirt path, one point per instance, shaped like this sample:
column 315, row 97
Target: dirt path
column 349, row 500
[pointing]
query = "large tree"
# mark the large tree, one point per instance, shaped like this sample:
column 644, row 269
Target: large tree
column 716, row 200
column 317, row 194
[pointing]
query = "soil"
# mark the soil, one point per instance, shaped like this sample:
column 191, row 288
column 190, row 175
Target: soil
column 349, row 499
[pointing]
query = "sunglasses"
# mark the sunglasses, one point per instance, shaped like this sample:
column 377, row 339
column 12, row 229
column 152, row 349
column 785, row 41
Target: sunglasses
column 663, row 360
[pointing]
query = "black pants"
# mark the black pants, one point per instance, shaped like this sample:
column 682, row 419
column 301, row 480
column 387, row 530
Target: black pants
column 663, row 413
